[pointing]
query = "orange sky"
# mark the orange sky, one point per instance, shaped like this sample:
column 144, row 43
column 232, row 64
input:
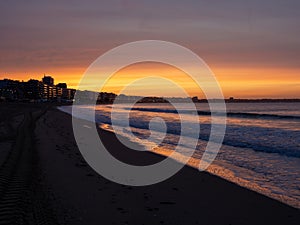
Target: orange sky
column 237, row 82
column 253, row 47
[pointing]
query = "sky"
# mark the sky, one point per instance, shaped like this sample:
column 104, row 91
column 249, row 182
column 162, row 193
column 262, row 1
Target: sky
column 252, row 47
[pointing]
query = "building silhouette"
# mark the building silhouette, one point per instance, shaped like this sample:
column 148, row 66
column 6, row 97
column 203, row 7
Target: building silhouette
column 62, row 85
column 48, row 80
column 35, row 90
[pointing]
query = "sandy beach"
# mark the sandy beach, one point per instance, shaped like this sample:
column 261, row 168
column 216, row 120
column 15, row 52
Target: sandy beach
column 63, row 189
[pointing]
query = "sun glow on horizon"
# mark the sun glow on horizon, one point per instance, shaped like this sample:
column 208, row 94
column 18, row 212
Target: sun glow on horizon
column 236, row 82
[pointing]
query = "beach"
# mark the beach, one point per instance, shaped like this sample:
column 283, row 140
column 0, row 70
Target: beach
column 65, row 190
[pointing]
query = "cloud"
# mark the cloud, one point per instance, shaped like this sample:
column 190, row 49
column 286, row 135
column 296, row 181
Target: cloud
column 225, row 33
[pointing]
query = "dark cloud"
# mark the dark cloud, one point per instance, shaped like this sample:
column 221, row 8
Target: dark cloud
column 228, row 33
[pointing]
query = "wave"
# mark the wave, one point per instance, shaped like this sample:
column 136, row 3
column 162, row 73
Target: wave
column 228, row 114
column 243, row 138
column 259, row 139
column 241, row 159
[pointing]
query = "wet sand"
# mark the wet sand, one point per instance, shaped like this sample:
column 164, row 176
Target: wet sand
column 78, row 195
column 44, row 180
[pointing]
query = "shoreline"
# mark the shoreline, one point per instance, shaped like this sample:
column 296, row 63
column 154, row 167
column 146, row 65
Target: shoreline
column 214, row 169
column 217, row 170
column 65, row 190
column 189, row 197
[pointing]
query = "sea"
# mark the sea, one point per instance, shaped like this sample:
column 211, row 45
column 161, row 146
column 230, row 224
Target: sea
column 260, row 150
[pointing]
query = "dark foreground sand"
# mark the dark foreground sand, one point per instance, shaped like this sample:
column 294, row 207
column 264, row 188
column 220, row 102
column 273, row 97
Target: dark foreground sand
column 67, row 191
column 80, row 196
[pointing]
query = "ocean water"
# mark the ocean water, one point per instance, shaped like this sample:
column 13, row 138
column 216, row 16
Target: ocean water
column 260, row 151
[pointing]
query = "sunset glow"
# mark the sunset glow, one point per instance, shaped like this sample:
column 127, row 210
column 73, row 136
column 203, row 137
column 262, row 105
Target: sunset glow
column 253, row 48
column 236, row 82
column 150, row 112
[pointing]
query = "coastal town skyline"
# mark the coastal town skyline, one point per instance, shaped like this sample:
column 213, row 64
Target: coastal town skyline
column 45, row 89
column 275, row 88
